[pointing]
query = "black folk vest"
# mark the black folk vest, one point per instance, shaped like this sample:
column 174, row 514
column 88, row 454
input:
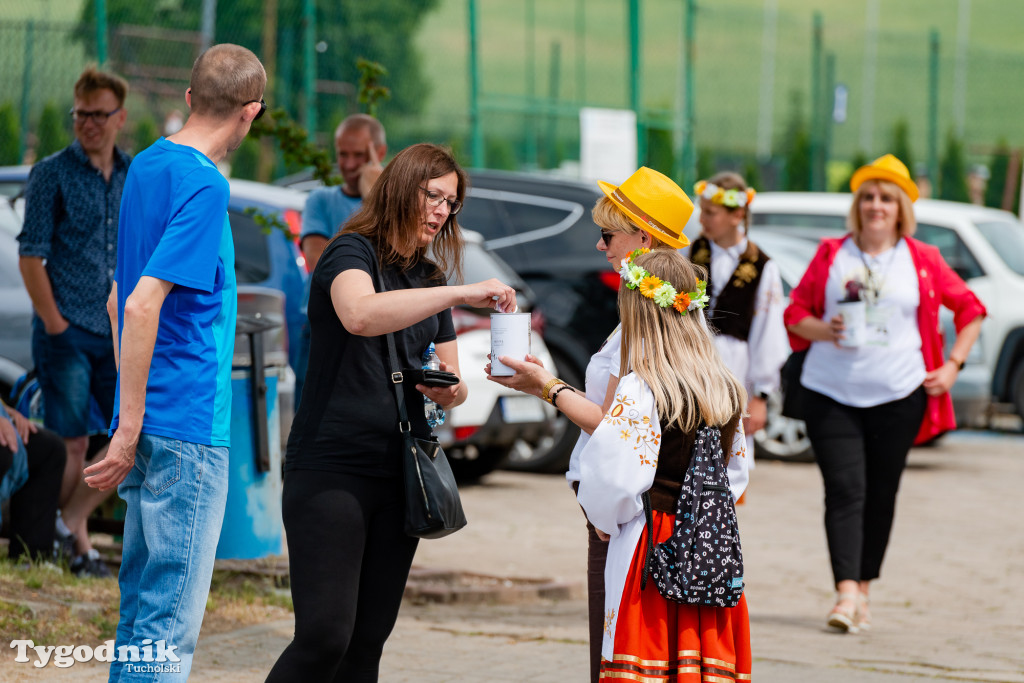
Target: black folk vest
column 733, row 309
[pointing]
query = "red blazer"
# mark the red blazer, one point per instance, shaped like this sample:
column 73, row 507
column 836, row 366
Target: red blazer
column 938, row 284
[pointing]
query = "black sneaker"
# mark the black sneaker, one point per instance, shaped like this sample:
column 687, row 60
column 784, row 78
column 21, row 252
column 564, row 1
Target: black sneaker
column 90, row 565
column 63, row 548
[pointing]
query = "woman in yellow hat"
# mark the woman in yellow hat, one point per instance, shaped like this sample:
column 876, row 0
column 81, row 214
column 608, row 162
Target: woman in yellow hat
column 867, row 310
column 647, row 211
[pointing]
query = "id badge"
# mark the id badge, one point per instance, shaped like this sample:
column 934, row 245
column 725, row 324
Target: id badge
column 876, row 320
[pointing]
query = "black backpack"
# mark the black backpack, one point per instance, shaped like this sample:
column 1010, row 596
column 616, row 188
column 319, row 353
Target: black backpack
column 701, row 563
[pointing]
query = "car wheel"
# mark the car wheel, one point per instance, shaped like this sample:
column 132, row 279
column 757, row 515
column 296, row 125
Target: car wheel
column 782, row 438
column 551, row 454
column 470, row 463
column 1018, row 387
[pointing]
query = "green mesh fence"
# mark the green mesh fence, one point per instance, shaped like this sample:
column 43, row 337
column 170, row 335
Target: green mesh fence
column 540, row 61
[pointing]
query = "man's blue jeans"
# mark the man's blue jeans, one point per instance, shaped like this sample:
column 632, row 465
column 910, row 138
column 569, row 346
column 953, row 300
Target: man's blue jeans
column 176, row 495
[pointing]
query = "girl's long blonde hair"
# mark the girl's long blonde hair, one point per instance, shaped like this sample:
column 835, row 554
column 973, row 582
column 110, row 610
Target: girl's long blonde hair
column 675, row 354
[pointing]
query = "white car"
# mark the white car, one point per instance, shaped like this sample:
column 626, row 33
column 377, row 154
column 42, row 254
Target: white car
column 984, row 246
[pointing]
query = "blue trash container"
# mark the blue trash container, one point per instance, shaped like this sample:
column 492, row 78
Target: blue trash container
column 252, row 525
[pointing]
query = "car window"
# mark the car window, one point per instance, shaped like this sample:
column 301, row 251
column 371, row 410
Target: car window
column 481, row 214
column 811, row 220
column 1007, row 238
column 252, row 255
column 546, row 228
column 952, row 248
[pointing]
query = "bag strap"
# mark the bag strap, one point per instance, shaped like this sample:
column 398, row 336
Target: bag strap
column 649, row 553
column 404, row 426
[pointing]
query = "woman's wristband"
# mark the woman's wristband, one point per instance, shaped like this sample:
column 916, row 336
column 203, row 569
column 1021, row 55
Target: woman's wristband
column 556, row 392
column 545, row 392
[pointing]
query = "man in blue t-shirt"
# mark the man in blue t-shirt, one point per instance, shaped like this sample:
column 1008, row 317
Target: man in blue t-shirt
column 360, row 145
column 172, row 309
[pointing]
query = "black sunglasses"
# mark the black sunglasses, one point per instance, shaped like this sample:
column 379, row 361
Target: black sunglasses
column 607, row 235
column 263, row 108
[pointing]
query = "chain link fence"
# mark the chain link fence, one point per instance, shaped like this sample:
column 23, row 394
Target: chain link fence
column 759, row 78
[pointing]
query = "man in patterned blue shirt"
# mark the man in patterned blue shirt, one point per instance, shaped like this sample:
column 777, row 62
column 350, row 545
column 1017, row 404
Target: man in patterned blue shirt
column 68, row 253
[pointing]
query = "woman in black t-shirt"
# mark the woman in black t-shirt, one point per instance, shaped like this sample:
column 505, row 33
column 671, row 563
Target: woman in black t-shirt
column 343, row 504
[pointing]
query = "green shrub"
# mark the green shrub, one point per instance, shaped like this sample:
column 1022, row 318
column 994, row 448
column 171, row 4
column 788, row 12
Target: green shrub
column 9, row 135
column 52, row 131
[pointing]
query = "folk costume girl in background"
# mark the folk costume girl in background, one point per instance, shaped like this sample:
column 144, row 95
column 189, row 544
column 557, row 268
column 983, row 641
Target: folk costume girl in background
column 646, row 211
column 344, row 501
column 674, row 381
column 746, row 294
column 870, row 402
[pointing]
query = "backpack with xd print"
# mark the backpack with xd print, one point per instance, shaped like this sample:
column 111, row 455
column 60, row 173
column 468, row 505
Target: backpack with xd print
column 701, row 563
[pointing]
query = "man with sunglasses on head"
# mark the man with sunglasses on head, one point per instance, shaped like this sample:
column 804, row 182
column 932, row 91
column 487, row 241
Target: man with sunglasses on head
column 172, row 309
column 360, row 145
column 68, row 252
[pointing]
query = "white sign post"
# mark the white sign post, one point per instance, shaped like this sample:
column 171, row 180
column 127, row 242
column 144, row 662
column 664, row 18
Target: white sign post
column 607, row 144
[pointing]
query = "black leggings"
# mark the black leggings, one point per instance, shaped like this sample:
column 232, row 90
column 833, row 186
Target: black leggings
column 34, row 505
column 349, row 560
column 861, row 453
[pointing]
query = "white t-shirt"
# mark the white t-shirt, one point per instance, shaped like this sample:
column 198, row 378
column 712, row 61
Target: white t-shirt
column 600, row 369
column 889, row 365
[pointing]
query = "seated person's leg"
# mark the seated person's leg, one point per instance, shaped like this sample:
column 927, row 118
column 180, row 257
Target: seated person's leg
column 34, row 505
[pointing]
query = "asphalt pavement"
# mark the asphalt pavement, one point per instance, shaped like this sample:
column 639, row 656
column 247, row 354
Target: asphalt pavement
column 949, row 605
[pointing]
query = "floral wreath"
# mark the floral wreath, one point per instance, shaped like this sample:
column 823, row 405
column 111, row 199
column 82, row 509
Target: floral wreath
column 662, row 292
column 733, row 199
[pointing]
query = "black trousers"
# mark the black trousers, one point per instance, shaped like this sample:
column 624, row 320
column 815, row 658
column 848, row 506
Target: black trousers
column 862, row 453
column 349, row 560
column 34, row 505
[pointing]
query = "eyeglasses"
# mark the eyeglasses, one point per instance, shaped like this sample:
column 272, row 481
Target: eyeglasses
column 607, row 235
column 99, row 117
column 435, row 199
column 263, row 108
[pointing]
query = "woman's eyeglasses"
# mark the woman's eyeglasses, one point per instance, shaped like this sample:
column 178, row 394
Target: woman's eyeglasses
column 436, row 199
column 607, row 235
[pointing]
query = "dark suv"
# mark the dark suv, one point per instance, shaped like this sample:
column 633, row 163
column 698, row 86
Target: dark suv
column 542, row 227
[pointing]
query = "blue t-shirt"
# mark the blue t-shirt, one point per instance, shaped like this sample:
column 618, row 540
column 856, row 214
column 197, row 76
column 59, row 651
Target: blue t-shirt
column 327, row 209
column 174, row 227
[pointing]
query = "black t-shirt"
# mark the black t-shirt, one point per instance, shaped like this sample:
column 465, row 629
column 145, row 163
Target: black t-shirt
column 347, row 420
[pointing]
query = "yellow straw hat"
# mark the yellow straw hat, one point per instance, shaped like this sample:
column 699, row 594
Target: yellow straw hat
column 655, row 203
column 887, row 168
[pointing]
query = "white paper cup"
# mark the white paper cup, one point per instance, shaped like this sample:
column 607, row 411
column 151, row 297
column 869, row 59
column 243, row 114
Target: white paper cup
column 510, row 336
column 854, row 315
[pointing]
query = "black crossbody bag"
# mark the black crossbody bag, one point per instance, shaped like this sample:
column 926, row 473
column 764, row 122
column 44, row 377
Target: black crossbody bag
column 433, row 508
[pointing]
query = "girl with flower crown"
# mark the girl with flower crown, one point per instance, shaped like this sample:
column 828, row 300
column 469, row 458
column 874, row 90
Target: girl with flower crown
column 647, row 211
column 674, row 381
column 746, row 293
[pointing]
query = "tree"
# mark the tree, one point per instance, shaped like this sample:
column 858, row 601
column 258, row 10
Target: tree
column 9, row 132
column 381, row 31
column 953, row 171
column 901, row 144
column 146, row 133
column 797, row 146
column 859, row 159
column 999, row 169
column 51, row 131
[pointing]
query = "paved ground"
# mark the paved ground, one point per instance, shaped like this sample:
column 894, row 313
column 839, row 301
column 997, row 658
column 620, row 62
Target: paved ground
column 950, row 606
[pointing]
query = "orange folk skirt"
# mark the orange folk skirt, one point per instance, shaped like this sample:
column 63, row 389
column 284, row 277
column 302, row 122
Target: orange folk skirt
column 660, row 640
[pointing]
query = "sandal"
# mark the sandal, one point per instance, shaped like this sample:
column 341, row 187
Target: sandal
column 863, row 622
column 844, row 619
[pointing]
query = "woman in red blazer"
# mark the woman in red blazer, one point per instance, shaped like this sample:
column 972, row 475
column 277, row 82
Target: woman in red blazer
column 867, row 310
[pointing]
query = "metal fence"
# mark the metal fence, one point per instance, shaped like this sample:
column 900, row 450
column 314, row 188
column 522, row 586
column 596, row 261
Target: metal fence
column 715, row 83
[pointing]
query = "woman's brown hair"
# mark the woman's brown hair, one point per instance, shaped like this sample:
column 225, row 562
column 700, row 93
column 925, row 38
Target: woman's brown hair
column 392, row 213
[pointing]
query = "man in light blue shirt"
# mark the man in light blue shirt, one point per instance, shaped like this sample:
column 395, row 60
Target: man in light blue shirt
column 172, row 310
column 360, row 145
